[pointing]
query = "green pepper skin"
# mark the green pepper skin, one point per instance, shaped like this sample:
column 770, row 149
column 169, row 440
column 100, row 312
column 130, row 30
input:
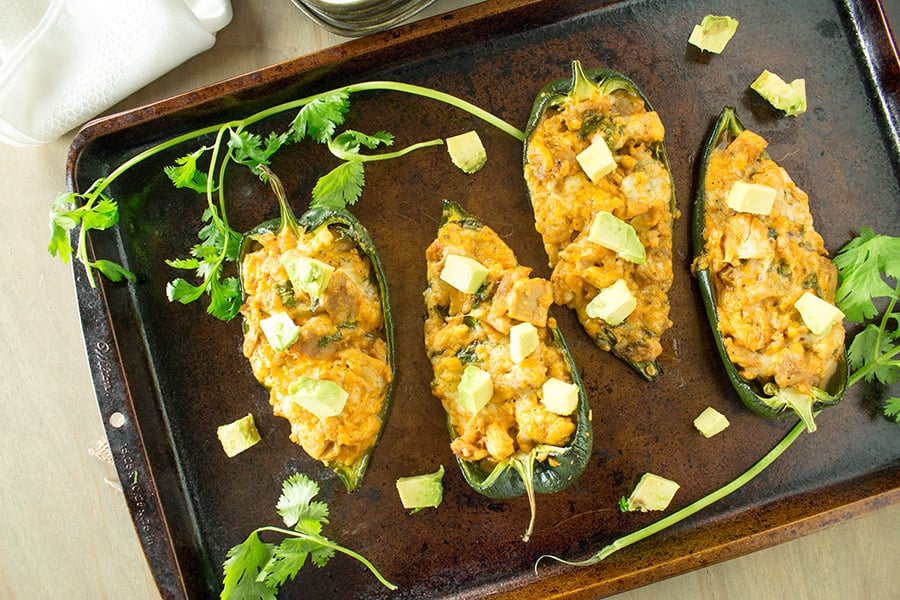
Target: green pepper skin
column 509, row 478
column 727, row 127
column 557, row 91
column 349, row 225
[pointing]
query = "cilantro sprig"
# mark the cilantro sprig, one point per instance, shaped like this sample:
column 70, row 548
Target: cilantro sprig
column 257, row 569
column 203, row 170
column 866, row 265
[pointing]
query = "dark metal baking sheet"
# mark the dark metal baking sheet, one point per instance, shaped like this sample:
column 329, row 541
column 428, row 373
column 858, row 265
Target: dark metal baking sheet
column 174, row 373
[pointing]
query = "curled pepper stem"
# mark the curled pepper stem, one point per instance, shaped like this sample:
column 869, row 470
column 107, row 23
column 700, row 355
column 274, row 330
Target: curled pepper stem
column 524, row 466
column 690, row 509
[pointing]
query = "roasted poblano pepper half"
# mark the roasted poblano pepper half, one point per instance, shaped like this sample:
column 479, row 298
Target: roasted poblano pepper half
column 760, row 263
column 600, row 186
column 318, row 331
column 494, row 350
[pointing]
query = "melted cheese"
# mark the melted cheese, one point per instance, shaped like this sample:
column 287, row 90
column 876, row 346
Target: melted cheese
column 341, row 339
column 637, row 191
column 467, row 329
column 760, row 266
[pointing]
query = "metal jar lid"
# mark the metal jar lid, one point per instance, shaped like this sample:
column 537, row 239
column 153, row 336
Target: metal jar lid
column 355, row 18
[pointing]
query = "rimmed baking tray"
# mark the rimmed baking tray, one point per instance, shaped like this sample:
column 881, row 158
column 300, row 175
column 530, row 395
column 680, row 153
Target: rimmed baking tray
column 166, row 375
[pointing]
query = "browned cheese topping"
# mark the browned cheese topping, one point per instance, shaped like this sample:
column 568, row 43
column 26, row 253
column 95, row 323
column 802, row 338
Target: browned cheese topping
column 341, row 340
column 473, row 329
column 760, row 265
column 638, row 191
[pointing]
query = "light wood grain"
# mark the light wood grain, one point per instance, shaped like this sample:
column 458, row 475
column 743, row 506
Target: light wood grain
column 66, row 532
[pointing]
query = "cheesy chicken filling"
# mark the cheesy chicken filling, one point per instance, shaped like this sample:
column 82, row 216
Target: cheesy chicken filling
column 571, row 189
column 761, row 264
column 503, row 381
column 314, row 336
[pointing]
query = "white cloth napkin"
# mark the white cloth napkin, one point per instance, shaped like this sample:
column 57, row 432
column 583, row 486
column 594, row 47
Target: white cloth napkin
column 65, row 61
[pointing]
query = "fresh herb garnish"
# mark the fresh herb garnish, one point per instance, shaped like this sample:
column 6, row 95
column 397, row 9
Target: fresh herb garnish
column 99, row 213
column 257, row 569
column 864, row 267
column 319, row 117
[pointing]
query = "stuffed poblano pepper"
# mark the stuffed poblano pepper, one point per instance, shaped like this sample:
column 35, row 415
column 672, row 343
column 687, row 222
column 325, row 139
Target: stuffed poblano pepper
column 766, row 279
column 318, row 331
column 601, row 190
column 516, row 407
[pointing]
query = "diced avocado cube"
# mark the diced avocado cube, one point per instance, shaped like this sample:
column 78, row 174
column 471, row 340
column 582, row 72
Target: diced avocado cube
column 280, row 330
column 817, row 314
column 238, row 436
column 789, row 97
column 559, row 397
column 612, row 232
column 651, row 493
column 751, row 198
column 612, row 304
column 466, row 151
column 464, row 273
column 321, row 397
column 710, row 422
column 421, row 491
column 523, row 340
column 596, row 160
column 713, row 33
column 475, row 389
column 307, row 274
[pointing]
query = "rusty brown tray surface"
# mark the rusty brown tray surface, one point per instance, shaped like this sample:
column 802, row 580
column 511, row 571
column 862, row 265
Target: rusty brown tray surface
column 175, row 374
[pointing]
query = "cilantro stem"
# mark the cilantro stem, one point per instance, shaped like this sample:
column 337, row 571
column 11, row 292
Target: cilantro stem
column 325, row 542
column 354, row 156
column 690, row 509
column 396, row 86
column 101, row 184
column 884, row 359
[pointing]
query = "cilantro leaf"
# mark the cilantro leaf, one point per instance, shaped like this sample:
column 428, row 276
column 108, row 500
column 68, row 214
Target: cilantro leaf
column 103, row 215
column 870, row 349
column 185, row 173
column 348, row 143
column 64, row 217
column 113, row 271
column 243, row 564
column 98, row 212
column 892, row 409
column 860, row 264
column 295, row 504
column 320, row 118
column 218, row 244
column 339, row 187
column 251, row 150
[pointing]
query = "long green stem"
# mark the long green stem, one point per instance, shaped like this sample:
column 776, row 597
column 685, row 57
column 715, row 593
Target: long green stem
column 239, row 124
column 326, row 543
column 396, row 86
column 692, row 508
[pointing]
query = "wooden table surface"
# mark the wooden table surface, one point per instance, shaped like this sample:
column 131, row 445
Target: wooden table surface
column 66, row 532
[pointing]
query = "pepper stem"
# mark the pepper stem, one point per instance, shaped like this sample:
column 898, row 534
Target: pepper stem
column 582, row 86
column 524, row 466
column 288, row 218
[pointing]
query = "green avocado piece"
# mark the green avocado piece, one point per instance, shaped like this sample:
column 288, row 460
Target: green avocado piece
column 238, row 436
column 612, row 232
column 321, row 397
column 421, row 491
